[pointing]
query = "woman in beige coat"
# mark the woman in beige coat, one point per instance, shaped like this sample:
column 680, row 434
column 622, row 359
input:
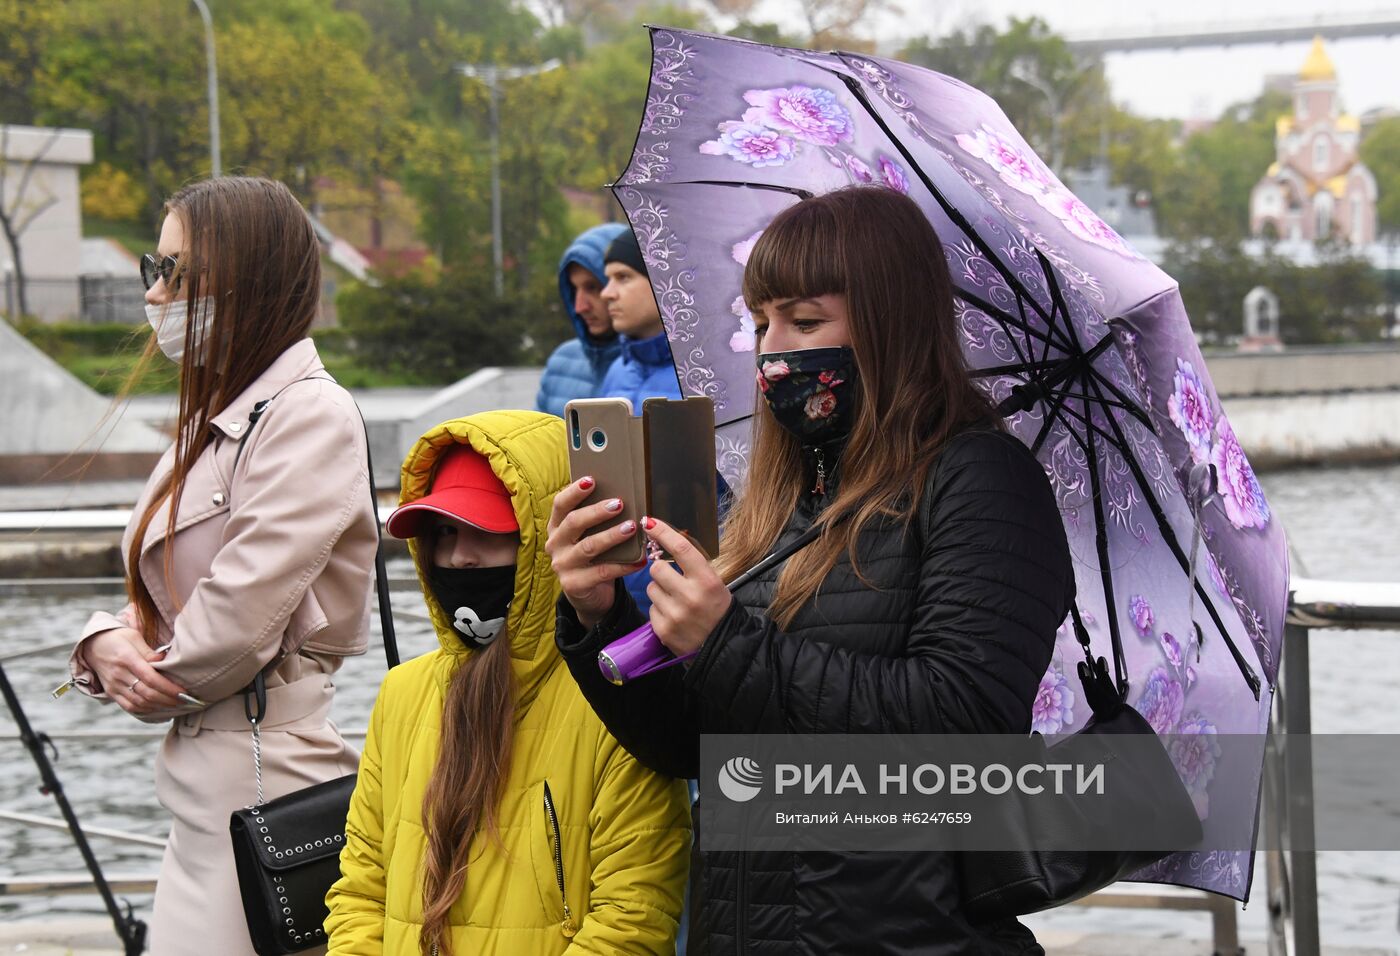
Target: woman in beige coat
column 267, row 563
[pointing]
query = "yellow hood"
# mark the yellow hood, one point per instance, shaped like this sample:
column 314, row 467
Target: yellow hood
column 526, row 450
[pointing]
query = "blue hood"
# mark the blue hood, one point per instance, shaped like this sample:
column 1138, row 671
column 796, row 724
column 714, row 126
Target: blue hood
column 587, row 250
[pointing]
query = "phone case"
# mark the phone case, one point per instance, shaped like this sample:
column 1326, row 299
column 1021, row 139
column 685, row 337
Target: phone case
column 679, row 439
column 605, row 441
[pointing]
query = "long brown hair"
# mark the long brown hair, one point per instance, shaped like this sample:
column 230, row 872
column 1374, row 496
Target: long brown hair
column 249, row 248
column 875, row 247
column 464, row 792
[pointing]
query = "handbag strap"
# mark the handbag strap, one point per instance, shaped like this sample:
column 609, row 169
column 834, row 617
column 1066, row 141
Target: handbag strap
column 381, row 575
column 255, row 694
column 782, row 554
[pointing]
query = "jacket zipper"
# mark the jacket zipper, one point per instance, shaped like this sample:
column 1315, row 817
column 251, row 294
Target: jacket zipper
column 568, row 924
column 820, row 487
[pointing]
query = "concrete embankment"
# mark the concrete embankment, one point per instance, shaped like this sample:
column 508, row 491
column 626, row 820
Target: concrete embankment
column 1312, row 406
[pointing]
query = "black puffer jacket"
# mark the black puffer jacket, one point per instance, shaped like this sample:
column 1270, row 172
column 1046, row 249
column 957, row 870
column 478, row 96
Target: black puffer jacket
column 955, row 641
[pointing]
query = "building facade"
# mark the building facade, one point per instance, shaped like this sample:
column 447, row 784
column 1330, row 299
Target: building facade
column 39, row 192
column 1317, row 188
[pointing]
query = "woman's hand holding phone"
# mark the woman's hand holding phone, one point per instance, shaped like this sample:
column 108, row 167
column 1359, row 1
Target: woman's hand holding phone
column 686, row 605
column 588, row 586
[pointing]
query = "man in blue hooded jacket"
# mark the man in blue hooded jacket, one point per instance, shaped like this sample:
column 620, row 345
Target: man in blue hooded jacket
column 644, row 369
column 577, row 367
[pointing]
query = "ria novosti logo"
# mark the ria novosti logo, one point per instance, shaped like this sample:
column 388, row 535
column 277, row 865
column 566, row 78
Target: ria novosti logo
column 740, row 779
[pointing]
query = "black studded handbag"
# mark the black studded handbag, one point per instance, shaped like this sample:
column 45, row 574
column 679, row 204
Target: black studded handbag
column 287, row 851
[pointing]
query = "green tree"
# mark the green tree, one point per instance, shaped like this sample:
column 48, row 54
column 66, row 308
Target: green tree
column 438, row 328
column 140, row 90
column 25, row 30
column 297, row 106
column 1142, row 152
column 1215, row 276
column 605, row 97
column 1056, row 101
column 1208, row 191
column 1380, row 151
column 1336, row 300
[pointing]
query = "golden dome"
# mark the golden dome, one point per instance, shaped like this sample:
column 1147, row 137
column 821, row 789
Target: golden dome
column 1318, row 65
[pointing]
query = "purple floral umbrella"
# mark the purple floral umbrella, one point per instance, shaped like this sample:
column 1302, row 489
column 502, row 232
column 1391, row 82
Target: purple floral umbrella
column 1085, row 346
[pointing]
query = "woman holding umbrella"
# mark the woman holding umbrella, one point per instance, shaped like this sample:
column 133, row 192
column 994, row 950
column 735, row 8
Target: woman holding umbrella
column 929, row 604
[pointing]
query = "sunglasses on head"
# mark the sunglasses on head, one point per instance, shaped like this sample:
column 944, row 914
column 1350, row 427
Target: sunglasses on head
column 153, row 268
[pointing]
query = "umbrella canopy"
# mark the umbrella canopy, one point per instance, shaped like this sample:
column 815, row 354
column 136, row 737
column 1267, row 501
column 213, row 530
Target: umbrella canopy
column 1181, row 565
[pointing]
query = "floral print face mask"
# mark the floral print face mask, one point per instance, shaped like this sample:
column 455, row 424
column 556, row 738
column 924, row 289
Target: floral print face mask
column 811, row 392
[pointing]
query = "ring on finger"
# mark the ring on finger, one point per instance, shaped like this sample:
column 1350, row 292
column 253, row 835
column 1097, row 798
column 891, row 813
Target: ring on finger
column 132, row 686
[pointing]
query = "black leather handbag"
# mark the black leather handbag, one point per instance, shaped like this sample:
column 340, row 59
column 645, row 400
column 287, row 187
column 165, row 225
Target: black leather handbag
column 287, row 851
column 1147, row 791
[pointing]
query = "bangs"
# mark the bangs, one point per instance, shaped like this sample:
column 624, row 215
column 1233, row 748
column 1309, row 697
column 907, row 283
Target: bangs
column 800, row 255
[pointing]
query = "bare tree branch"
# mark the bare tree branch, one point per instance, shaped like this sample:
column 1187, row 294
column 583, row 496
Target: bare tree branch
column 15, row 219
column 34, row 213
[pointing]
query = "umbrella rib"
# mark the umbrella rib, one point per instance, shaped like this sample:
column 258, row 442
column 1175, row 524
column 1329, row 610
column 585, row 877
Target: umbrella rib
column 1108, row 402
column 1002, row 315
column 1012, row 369
column 1105, row 569
column 949, row 210
column 1124, row 401
column 1169, row 536
column 732, row 183
column 1057, row 304
column 1058, row 300
column 1087, row 421
column 1056, row 411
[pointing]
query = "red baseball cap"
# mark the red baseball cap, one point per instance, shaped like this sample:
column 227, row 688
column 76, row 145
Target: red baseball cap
column 464, row 489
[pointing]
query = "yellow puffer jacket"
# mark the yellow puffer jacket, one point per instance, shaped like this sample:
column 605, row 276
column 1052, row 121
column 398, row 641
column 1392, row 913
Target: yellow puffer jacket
column 625, row 831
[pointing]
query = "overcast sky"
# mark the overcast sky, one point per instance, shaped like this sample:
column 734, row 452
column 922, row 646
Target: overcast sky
column 1192, row 83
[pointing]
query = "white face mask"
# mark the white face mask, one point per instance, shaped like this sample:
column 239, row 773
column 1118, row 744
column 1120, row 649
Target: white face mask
column 169, row 321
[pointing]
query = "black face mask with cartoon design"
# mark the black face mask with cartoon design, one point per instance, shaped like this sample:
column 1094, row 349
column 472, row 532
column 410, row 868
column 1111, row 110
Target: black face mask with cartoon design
column 477, row 600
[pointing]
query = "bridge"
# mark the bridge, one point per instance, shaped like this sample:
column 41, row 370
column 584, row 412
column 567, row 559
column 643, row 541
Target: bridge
column 1178, row 36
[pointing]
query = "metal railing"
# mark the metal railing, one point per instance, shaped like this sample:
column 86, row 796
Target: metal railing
column 95, row 299
column 1290, row 860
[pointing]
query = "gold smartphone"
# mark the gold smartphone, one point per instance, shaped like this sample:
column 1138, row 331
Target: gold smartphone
column 605, row 441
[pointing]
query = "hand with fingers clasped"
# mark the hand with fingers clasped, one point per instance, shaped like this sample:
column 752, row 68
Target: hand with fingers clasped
column 686, row 604
column 589, row 587
column 122, row 661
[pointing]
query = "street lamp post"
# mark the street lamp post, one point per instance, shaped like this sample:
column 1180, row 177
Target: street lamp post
column 213, row 81
column 492, row 75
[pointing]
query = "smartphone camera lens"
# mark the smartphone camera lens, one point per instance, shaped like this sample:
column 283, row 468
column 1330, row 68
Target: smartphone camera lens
column 575, row 435
column 598, row 439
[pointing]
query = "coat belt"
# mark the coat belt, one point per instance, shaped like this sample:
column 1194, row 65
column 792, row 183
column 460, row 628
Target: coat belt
column 302, row 705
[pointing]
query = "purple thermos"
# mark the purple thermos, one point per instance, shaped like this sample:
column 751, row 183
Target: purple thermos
column 641, row 652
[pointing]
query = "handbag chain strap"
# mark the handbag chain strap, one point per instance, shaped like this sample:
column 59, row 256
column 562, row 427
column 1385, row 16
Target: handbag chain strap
column 255, row 695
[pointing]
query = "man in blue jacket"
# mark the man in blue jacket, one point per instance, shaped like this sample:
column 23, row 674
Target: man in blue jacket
column 576, row 368
column 644, row 368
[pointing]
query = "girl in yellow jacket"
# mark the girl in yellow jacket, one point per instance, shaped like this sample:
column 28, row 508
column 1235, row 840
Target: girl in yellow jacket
column 493, row 813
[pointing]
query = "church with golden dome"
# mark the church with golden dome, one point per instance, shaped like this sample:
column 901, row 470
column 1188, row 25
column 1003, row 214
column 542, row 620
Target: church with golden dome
column 1317, row 187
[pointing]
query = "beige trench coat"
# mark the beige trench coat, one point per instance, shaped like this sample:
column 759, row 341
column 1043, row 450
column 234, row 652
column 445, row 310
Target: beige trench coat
column 273, row 561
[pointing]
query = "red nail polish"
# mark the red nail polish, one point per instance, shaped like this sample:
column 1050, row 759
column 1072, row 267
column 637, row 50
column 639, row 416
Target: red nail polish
column 649, row 523
column 585, row 483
